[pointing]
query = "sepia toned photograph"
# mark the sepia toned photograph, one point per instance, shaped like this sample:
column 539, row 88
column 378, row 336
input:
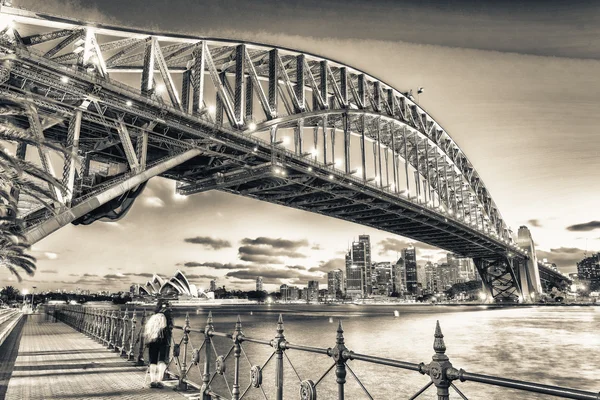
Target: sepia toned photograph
column 268, row 199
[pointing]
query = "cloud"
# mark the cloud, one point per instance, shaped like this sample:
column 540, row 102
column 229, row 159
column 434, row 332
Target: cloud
column 565, row 257
column 208, row 242
column 393, row 245
column 215, row 265
column 316, row 246
column 140, row 274
column 534, row 222
column 585, row 227
column 200, row 276
column 276, row 243
column 271, row 275
column 49, row 271
column 266, row 250
column 330, row 265
column 298, row 267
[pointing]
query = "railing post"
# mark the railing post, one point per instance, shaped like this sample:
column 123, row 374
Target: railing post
column 337, row 353
column 186, row 338
column 124, row 337
column 140, row 359
column 104, row 326
column 279, row 345
column 440, row 369
column 207, row 352
column 132, row 337
column 111, row 338
column 237, row 351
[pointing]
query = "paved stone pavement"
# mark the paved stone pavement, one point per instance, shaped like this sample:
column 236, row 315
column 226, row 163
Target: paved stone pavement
column 55, row 361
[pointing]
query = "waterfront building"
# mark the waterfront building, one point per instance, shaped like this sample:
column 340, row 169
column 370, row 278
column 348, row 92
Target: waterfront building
column 177, row 285
column 312, row 291
column 358, row 268
column 588, row 270
column 400, row 277
column 410, row 265
column 259, row 284
column 383, row 279
column 431, row 277
column 353, row 278
column 335, row 283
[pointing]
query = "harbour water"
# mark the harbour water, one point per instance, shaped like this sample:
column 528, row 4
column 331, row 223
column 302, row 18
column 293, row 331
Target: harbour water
column 549, row 345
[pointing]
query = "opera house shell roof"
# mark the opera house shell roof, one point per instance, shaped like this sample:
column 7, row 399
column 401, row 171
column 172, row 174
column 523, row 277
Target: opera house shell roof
column 177, row 285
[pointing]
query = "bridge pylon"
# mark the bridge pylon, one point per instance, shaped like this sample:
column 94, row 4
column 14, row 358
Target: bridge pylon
column 501, row 277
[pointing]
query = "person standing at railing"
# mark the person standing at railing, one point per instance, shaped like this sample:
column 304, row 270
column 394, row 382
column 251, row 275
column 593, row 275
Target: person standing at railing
column 157, row 335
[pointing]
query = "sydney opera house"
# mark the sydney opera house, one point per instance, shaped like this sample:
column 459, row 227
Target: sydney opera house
column 176, row 286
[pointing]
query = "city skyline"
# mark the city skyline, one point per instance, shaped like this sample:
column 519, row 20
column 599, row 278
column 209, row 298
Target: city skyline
column 536, row 177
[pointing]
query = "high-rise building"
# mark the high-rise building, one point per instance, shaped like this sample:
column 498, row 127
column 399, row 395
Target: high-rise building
column 383, row 279
column 312, row 291
column 259, row 284
column 400, row 277
column 288, row 293
column 431, row 277
column 588, row 270
column 213, row 285
column 410, row 264
column 335, row 283
column 353, row 277
column 358, row 268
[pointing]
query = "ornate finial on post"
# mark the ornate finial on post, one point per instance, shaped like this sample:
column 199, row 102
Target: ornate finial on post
column 340, row 333
column 279, row 345
column 438, row 343
column 337, row 353
column 209, row 321
column 182, row 385
column 280, row 327
column 440, row 369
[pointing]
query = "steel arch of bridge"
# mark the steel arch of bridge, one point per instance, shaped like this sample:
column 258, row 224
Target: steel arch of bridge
column 198, row 114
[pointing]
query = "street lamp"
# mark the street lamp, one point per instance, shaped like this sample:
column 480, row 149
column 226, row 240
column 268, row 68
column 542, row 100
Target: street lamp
column 24, row 292
column 32, row 297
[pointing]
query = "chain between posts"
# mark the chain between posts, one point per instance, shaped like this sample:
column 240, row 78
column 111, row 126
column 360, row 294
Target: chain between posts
column 102, row 325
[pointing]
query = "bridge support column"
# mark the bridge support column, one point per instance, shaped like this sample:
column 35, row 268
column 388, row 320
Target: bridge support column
column 500, row 278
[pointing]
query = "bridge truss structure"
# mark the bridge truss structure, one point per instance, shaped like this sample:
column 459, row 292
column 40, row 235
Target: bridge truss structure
column 270, row 123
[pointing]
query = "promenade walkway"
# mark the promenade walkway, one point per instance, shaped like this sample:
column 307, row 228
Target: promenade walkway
column 54, row 361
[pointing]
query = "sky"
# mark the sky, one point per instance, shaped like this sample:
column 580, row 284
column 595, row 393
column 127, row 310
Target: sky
column 516, row 86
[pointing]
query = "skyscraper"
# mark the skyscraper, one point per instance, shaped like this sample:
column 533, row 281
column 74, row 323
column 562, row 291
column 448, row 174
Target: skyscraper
column 335, row 283
column 400, row 277
column 383, row 279
column 588, row 270
column 410, row 265
column 259, row 284
column 358, row 268
column 213, row 285
column 312, row 291
column 353, row 277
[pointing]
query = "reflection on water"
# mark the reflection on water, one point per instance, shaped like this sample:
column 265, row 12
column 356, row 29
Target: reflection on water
column 550, row 345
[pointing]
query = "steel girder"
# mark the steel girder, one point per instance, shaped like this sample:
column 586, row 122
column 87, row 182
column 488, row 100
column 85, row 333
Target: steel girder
column 127, row 130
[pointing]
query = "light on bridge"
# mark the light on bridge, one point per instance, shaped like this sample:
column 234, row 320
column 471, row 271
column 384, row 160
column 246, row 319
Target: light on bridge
column 255, row 149
column 314, row 152
column 331, row 176
column 64, row 79
column 252, row 126
column 309, row 169
column 338, row 162
column 212, row 109
column 128, row 103
column 160, row 88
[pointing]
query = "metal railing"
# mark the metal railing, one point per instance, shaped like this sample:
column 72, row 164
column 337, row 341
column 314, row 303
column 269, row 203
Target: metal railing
column 121, row 333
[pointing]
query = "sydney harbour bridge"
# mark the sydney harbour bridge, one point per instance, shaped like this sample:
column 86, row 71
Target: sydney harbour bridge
column 270, row 123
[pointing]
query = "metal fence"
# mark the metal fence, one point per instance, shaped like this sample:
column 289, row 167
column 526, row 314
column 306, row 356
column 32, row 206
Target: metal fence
column 122, row 333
